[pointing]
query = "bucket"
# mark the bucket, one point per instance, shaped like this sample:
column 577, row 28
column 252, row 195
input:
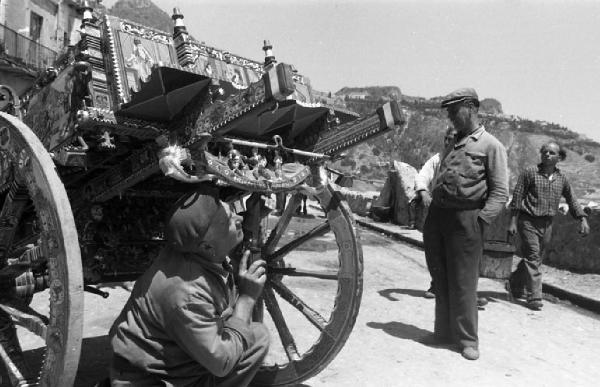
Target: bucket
column 496, row 261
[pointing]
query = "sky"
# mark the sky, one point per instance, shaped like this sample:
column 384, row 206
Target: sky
column 540, row 59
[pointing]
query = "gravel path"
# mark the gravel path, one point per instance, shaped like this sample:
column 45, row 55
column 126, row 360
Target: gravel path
column 555, row 347
column 519, row 347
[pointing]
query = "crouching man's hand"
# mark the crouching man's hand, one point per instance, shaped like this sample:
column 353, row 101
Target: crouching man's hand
column 251, row 281
column 584, row 228
column 512, row 226
column 252, row 278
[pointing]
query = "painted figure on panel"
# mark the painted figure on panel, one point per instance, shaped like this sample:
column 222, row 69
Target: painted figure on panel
column 140, row 60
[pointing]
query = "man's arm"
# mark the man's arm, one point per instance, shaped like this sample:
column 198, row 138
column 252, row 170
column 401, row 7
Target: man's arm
column 497, row 182
column 426, row 174
column 205, row 337
column 197, row 328
column 575, row 208
column 516, row 204
column 425, row 177
column 512, row 226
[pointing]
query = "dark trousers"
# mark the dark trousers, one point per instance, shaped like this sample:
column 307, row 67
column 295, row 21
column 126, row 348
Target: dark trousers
column 535, row 233
column 241, row 375
column 248, row 366
column 413, row 207
column 453, row 247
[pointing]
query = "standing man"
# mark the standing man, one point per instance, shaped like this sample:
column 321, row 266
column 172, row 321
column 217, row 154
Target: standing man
column 470, row 189
column 534, row 204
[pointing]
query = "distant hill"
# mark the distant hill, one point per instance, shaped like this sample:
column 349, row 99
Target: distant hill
column 491, row 106
column 427, row 123
column 144, row 12
column 374, row 93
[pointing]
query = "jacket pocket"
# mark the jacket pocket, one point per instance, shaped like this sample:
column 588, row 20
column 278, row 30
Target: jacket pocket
column 474, row 164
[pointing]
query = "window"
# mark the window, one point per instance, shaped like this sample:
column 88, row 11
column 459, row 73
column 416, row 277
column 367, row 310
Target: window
column 35, row 26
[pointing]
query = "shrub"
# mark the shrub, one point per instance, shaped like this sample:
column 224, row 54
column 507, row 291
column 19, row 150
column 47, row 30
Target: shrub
column 348, row 163
column 589, row 158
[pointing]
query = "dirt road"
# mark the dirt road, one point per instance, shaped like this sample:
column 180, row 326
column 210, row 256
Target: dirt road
column 556, row 347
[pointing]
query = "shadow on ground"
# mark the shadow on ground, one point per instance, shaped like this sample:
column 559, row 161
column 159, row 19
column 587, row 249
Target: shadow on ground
column 93, row 363
column 388, row 293
column 405, row 331
column 419, row 293
column 400, row 330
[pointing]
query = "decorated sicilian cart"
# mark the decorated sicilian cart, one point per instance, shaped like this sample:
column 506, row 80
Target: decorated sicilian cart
column 121, row 128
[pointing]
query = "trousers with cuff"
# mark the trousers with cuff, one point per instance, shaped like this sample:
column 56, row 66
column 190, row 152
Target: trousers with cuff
column 453, row 248
column 535, row 233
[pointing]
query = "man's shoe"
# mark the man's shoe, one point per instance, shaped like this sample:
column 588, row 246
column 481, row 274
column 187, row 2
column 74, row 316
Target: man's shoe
column 512, row 292
column 470, row 353
column 434, row 339
column 481, row 302
column 429, row 293
column 535, row 304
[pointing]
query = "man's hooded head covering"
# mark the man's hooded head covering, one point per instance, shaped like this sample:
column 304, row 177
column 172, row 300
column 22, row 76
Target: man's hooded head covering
column 191, row 217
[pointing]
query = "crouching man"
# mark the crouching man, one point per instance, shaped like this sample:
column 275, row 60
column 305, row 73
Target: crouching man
column 186, row 323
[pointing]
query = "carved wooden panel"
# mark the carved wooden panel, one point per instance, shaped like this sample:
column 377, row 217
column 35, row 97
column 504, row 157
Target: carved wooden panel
column 134, row 50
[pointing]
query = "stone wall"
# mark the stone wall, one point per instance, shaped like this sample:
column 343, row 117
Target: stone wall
column 569, row 250
column 359, row 202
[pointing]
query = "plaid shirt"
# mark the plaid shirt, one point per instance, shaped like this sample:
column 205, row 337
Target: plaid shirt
column 537, row 195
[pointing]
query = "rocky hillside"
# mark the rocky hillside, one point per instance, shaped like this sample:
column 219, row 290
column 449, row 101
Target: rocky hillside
column 144, row 12
column 422, row 137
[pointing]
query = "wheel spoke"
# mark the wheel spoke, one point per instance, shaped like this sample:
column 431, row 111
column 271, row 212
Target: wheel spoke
column 12, row 209
column 15, row 376
column 312, row 315
column 284, row 333
column 284, row 250
column 282, row 224
column 11, row 353
column 293, row 272
column 28, row 318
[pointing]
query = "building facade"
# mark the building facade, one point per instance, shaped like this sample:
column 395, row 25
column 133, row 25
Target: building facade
column 50, row 23
column 33, row 33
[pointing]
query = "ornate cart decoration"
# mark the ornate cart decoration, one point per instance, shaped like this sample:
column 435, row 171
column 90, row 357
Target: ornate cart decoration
column 120, row 129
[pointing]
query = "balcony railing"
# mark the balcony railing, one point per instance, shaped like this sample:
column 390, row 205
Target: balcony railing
column 24, row 50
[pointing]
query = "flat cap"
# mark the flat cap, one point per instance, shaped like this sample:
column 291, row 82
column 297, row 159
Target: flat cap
column 460, row 95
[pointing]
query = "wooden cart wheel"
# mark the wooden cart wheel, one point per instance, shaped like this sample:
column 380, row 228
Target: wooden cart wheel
column 313, row 289
column 40, row 330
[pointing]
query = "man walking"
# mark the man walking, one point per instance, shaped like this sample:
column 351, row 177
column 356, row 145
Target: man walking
column 470, row 189
column 535, row 202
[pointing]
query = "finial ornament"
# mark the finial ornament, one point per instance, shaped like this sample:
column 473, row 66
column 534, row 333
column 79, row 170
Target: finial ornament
column 269, row 57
